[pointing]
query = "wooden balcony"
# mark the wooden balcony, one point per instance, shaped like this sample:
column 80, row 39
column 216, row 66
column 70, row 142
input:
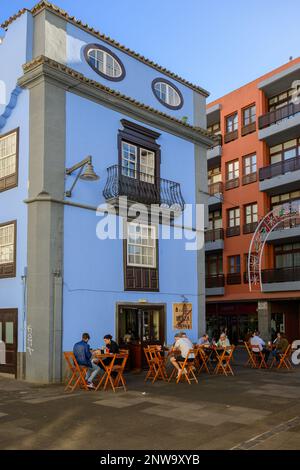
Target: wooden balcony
column 214, row 280
column 214, row 235
column 231, row 184
column 248, row 129
column 231, row 136
column 249, row 228
column 251, row 178
column 233, row 231
column 142, row 188
column 215, row 188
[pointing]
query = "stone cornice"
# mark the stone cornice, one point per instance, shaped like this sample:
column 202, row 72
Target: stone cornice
column 42, row 5
column 44, row 68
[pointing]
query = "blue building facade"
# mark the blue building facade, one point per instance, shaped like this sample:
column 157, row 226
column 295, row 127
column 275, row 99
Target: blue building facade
column 72, row 258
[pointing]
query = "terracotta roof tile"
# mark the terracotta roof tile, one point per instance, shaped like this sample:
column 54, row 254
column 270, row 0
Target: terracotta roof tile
column 44, row 4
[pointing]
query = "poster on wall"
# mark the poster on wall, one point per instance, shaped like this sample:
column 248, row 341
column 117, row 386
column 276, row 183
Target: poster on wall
column 182, row 316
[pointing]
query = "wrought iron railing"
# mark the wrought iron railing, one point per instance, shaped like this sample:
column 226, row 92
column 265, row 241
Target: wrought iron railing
column 277, row 115
column 279, row 168
column 142, row 187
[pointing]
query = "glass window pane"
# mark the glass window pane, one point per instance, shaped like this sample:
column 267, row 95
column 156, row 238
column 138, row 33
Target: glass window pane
column 9, row 332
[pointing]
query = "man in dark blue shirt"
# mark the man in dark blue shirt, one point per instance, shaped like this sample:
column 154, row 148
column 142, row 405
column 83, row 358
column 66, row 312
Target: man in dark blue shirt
column 83, row 354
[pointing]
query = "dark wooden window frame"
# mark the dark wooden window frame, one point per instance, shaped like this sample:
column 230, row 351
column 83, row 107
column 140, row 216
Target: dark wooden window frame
column 234, row 277
column 234, row 230
column 231, row 134
column 139, row 278
column 250, row 227
column 8, row 270
column 251, row 126
column 284, row 101
column 11, row 181
column 281, row 152
column 250, row 177
column 279, row 251
column 233, row 182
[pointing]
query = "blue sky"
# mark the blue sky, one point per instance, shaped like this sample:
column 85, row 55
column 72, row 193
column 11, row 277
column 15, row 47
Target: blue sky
column 220, row 44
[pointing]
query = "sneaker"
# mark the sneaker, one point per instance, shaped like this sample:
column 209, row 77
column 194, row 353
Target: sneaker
column 91, row 386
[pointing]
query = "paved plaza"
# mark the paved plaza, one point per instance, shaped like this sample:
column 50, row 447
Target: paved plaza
column 255, row 409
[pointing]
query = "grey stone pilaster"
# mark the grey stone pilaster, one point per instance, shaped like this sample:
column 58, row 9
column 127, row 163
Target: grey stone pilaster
column 50, row 37
column 264, row 319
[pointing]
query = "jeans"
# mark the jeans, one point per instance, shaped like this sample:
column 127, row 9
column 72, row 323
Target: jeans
column 276, row 355
column 92, row 372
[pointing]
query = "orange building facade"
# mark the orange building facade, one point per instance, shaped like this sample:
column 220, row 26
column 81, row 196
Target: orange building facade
column 254, row 169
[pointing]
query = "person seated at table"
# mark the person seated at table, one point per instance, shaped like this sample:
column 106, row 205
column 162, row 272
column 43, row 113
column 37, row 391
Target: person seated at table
column 204, row 340
column 182, row 344
column 111, row 348
column 280, row 346
column 256, row 340
column 248, row 336
column 83, row 354
column 223, row 342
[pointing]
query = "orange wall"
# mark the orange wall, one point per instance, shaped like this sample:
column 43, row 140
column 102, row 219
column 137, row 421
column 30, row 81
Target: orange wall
column 239, row 245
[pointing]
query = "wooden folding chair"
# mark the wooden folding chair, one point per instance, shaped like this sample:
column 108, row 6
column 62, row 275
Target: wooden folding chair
column 250, row 360
column 106, row 377
column 258, row 357
column 202, row 360
column 151, row 363
column 119, row 381
column 284, row 359
column 224, row 358
column 187, row 368
column 78, row 373
column 159, row 364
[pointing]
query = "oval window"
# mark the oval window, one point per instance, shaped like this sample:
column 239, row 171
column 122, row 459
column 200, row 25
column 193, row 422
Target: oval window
column 104, row 62
column 167, row 93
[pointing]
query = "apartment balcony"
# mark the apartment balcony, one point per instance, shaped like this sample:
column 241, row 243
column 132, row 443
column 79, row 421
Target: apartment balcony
column 214, row 155
column 280, row 125
column 214, row 239
column 281, row 279
column 280, row 177
column 230, row 136
column 215, row 284
column 233, row 183
column 142, row 188
column 215, row 199
column 285, row 232
column 250, row 178
column 249, row 129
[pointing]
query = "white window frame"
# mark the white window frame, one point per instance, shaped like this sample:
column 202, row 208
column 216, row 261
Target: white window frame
column 126, row 170
column 8, row 159
column 170, row 94
column 113, row 70
column 7, row 248
column 150, row 246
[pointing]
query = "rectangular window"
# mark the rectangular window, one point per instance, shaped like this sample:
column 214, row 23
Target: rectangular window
column 7, row 249
column 215, row 220
column 141, row 245
column 283, row 99
column 232, row 170
column 214, row 264
column 234, row 217
column 138, row 162
column 214, row 175
column 285, row 151
column 234, row 264
column 8, row 160
column 249, row 115
column 215, row 129
column 287, row 256
column 249, row 164
column 232, row 123
column 251, row 215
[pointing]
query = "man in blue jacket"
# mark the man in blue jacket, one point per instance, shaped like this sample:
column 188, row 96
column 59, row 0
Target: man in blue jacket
column 83, row 354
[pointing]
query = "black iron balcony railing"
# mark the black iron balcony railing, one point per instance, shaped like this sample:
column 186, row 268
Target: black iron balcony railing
column 288, row 223
column 279, row 168
column 270, row 276
column 233, row 231
column 277, row 115
column 250, row 228
column 214, row 280
column 214, row 235
column 142, row 187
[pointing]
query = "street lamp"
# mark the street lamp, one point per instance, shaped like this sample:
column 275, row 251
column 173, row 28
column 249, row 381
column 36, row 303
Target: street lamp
column 87, row 175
